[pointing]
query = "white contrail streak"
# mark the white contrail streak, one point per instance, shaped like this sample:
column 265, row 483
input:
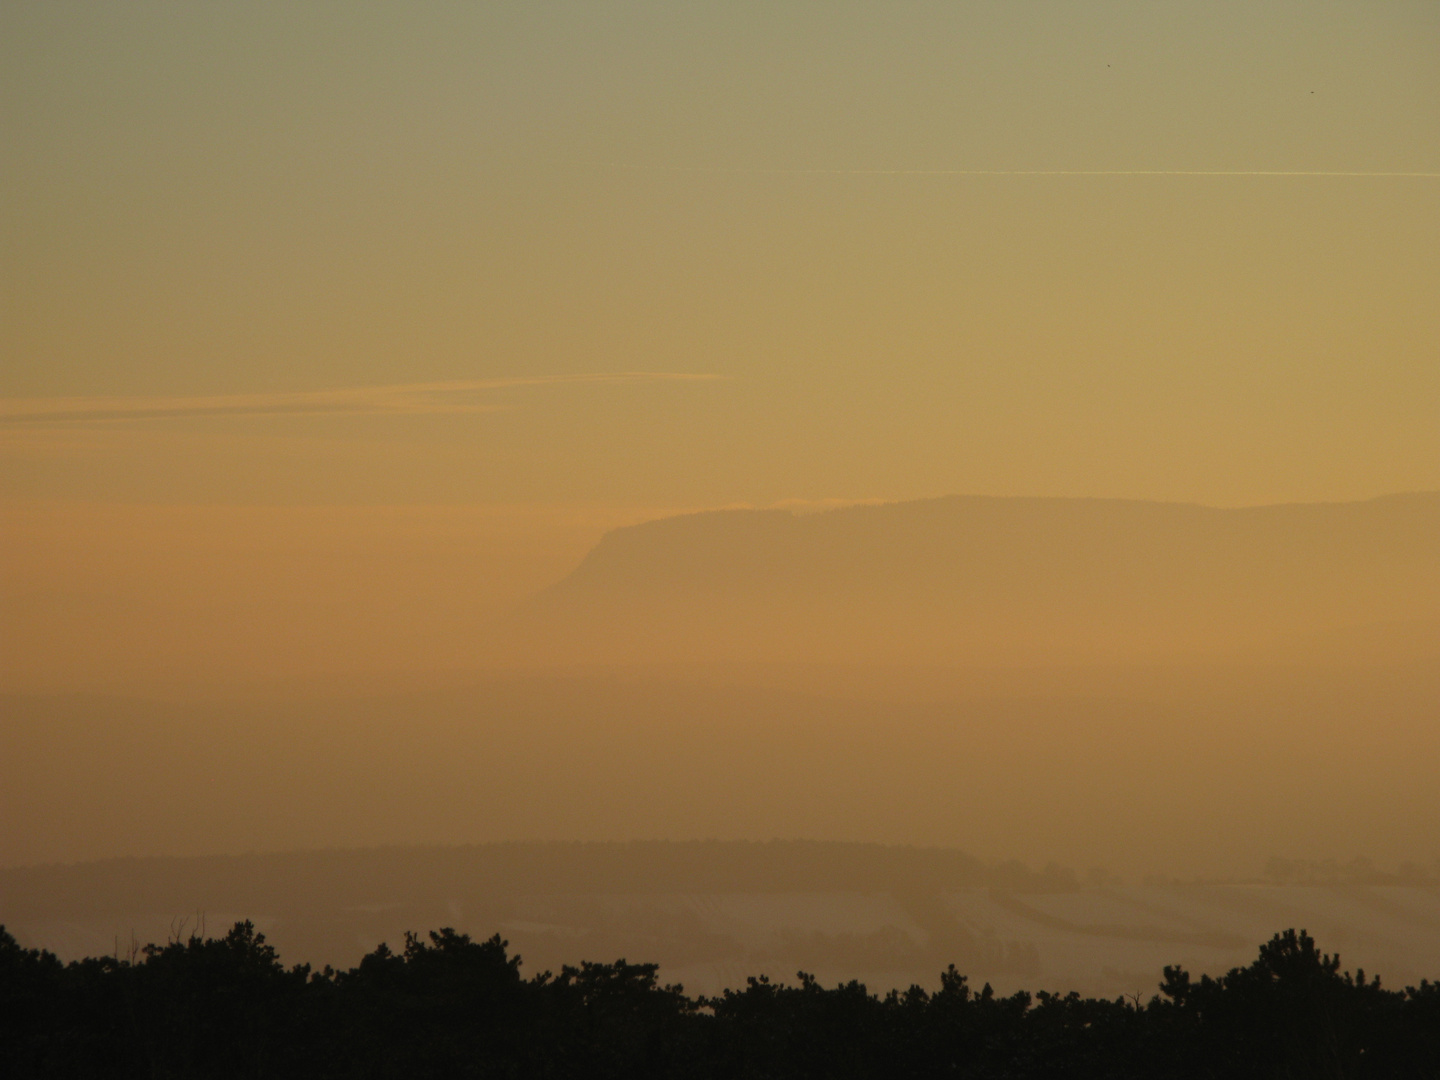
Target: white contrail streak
column 431, row 398
column 1032, row 172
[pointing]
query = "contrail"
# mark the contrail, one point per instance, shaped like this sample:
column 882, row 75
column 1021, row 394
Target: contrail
column 1360, row 174
column 456, row 396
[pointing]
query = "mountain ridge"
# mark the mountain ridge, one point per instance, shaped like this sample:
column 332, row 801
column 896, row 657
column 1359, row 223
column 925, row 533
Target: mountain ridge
column 966, row 577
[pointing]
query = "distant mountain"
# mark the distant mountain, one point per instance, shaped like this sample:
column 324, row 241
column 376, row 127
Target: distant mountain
column 994, row 580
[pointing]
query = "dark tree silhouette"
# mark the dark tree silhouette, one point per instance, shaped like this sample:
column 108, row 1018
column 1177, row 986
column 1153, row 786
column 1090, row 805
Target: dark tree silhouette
column 447, row 1006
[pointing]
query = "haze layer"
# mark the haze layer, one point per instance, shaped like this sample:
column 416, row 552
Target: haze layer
column 332, row 344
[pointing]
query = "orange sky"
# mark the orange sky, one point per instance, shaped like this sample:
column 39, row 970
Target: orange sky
column 290, row 293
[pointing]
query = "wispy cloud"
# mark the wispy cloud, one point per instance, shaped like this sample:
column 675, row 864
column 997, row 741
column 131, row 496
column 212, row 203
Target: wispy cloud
column 404, row 399
column 763, row 171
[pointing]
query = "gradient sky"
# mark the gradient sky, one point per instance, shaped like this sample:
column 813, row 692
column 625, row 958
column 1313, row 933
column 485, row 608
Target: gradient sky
column 366, row 255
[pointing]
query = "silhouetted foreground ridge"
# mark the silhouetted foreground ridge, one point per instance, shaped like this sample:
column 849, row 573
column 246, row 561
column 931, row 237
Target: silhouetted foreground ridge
column 450, row 1006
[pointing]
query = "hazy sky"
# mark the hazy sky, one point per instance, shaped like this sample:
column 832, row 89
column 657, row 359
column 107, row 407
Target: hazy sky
column 273, row 255
column 261, row 200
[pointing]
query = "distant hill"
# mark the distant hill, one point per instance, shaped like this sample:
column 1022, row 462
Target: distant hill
column 357, row 878
column 966, row 580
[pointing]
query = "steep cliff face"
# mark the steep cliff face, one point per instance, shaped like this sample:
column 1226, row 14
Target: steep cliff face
column 983, row 580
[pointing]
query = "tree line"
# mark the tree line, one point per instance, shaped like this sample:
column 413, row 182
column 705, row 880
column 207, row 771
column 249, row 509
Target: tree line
column 448, row 1006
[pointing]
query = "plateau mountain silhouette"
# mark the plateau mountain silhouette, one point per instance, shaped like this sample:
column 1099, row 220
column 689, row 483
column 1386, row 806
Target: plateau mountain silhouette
column 979, row 580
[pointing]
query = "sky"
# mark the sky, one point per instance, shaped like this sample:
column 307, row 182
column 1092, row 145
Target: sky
column 438, row 293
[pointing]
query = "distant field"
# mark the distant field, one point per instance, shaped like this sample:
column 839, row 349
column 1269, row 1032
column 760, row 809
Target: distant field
column 712, row 914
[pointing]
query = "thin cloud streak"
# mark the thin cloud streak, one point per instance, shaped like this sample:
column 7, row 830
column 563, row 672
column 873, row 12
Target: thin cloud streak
column 406, row 399
column 1356, row 174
